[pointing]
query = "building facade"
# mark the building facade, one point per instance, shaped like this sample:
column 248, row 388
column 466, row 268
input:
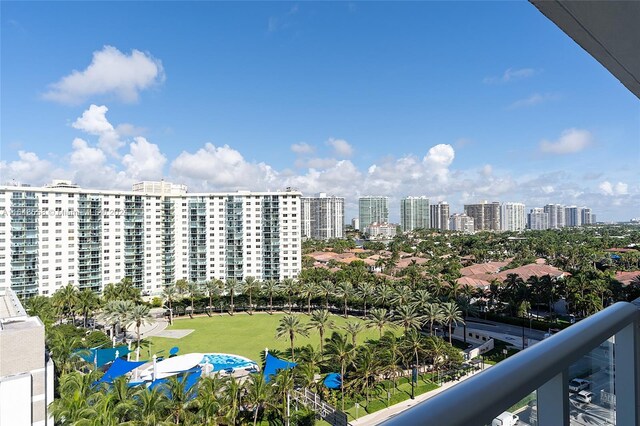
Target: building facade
column 322, row 217
column 381, row 231
column 372, row 209
column 486, row 216
column 155, row 235
column 513, row 217
column 462, row 223
column 573, row 216
column 439, row 216
column 414, row 213
column 538, row 219
column 556, row 215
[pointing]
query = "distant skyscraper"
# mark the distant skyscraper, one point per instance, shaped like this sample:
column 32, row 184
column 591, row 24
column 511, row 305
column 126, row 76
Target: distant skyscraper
column 414, row 213
column 513, row 217
column 322, row 217
column 538, row 219
column 486, row 216
column 586, row 216
column 440, row 216
column 373, row 209
column 462, row 223
column 355, row 222
column 556, row 215
column 573, row 216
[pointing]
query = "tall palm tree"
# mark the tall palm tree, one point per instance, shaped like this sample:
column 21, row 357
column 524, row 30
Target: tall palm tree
column 340, row 351
column 233, row 287
column 353, row 329
column 365, row 291
column 451, row 314
column 169, row 294
column 326, row 289
column 379, row 318
column 210, row 399
column 367, row 369
column 402, row 295
column 407, row 317
column 151, row 405
column 67, row 298
column 384, row 294
column 213, row 288
column 290, row 325
column 432, row 314
column 180, row 398
column 389, row 342
column 110, row 293
column 290, row 288
column 258, row 395
column 232, row 394
column 308, row 289
column 321, row 319
column 194, row 291
column 468, row 309
column 270, row 287
column 86, row 303
column 413, row 343
column 251, row 285
column 344, row 290
column 138, row 316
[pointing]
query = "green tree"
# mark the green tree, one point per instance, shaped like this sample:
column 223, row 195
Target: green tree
column 138, row 316
column 379, row 318
column 270, row 287
column 321, row 319
column 291, row 326
column 407, row 317
column 86, row 303
column 344, row 290
column 353, row 329
column 233, row 287
column 251, row 286
column 340, row 351
column 451, row 314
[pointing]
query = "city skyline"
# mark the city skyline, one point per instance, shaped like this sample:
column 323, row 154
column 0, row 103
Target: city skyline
column 265, row 98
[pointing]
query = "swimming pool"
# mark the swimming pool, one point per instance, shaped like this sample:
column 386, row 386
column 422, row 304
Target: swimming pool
column 221, row 362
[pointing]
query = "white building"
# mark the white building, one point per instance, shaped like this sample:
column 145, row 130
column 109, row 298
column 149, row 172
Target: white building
column 372, row 209
column 322, row 217
column 158, row 234
column 556, row 215
column 381, row 231
column 538, row 219
column 414, row 213
column 439, row 216
column 573, row 216
column 462, row 223
column 513, row 217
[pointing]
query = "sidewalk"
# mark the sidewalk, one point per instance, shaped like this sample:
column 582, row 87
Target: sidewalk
column 147, row 330
column 384, row 414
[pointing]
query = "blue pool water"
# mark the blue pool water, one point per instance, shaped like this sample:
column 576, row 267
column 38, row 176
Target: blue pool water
column 223, row 361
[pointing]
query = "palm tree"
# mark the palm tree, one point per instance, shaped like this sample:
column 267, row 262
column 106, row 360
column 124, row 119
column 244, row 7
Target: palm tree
column 182, row 286
column 321, row 319
column 326, row 289
column 344, row 290
column 353, row 328
column 389, row 342
column 110, row 293
column 250, row 286
column 432, row 314
column 467, row 308
column 437, row 351
column 308, row 289
column 451, row 314
column 138, row 316
column 407, row 317
column 213, row 288
column 86, row 302
column 402, row 295
column 367, row 367
column 384, row 294
column 210, row 399
column 413, row 343
column 270, row 287
column 233, row 287
column 290, row 287
column 127, row 290
column 67, row 298
column 340, row 351
column 290, row 325
column 180, row 398
column 232, row 393
column 365, row 291
column 151, row 404
column 169, row 294
column 120, row 397
column 194, row 291
column 379, row 318
column 257, row 395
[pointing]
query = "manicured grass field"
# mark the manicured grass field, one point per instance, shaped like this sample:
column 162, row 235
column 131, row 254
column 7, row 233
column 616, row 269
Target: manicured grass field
column 242, row 334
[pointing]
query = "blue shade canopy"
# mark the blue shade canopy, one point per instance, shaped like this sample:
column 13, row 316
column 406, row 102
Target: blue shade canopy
column 174, row 350
column 333, row 381
column 119, row 368
column 102, row 356
column 273, row 364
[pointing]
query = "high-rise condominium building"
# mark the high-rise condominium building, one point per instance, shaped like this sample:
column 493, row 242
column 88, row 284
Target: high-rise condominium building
column 439, row 217
column 573, row 216
column 513, row 217
column 538, row 219
column 322, row 217
column 486, row 216
column 556, row 215
column 462, row 223
column 586, row 216
column 373, row 209
column 414, row 213
column 154, row 235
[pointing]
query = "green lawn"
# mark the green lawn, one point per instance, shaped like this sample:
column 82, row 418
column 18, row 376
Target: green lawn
column 241, row 334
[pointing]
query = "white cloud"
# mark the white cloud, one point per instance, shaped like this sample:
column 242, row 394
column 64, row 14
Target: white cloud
column 487, row 170
column 94, row 122
column 145, row 161
column 511, row 74
column 607, row 188
column 111, row 72
column 340, row 147
column 302, row 148
column 28, row 168
column 534, row 99
column 570, row 141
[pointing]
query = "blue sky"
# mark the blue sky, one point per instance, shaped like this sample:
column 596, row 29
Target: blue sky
column 459, row 101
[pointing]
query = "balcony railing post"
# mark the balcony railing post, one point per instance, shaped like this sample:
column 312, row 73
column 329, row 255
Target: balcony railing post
column 553, row 401
column 627, row 375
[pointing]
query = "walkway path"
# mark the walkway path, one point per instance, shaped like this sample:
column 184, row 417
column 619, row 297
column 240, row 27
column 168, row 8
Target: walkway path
column 384, row 414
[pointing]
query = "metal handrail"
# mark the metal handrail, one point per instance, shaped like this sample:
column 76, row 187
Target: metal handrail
column 480, row 398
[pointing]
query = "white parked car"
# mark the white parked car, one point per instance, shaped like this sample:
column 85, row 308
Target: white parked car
column 584, row 396
column 577, row 385
column 506, row 419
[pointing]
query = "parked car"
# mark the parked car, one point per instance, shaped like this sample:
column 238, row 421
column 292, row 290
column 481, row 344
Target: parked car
column 584, row 396
column 577, row 385
column 506, row 419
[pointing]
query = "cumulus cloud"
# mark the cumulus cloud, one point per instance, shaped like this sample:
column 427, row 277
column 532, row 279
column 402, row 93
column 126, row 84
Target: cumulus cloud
column 570, row 141
column 302, row 148
column 94, row 122
column 510, row 75
column 28, row 168
column 607, row 188
column 111, row 72
column 340, row 147
column 145, row 161
column 533, row 100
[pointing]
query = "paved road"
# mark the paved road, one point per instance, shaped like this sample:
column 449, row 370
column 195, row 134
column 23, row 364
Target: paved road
column 513, row 330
